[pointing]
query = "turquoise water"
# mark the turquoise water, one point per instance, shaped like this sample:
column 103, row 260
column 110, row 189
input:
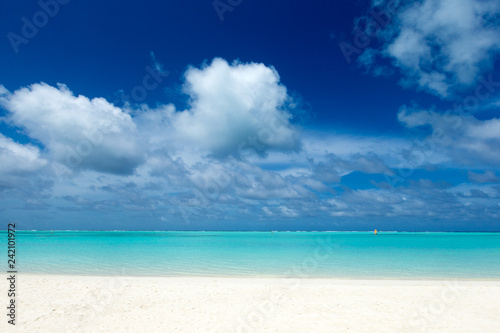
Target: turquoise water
column 297, row 254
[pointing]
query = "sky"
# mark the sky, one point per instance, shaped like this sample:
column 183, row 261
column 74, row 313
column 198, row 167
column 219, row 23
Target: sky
column 250, row 115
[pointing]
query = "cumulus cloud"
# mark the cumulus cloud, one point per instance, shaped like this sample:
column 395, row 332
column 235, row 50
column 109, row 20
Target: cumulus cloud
column 236, row 108
column 441, row 46
column 77, row 131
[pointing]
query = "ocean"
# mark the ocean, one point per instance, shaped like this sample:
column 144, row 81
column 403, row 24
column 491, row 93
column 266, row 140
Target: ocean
column 388, row 255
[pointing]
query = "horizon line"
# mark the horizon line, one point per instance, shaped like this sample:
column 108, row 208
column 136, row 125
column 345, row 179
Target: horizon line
column 378, row 230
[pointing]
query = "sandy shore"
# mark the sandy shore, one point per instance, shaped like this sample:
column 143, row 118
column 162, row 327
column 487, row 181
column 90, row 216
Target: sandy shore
column 53, row 303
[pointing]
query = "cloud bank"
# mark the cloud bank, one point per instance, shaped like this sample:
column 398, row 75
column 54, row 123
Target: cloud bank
column 236, row 153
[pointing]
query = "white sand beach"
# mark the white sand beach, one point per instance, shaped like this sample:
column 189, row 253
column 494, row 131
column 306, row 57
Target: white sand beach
column 56, row 303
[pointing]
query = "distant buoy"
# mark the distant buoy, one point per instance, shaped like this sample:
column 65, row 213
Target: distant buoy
column 375, row 232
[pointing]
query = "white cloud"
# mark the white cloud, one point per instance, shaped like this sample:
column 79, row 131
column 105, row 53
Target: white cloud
column 76, row 131
column 18, row 159
column 267, row 211
column 287, row 212
column 466, row 140
column 443, row 45
column 236, row 108
column 368, row 163
column 22, row 174
column 349, row 148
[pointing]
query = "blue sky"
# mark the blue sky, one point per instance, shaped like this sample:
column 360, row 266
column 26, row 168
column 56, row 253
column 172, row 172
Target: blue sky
column 250, row 115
